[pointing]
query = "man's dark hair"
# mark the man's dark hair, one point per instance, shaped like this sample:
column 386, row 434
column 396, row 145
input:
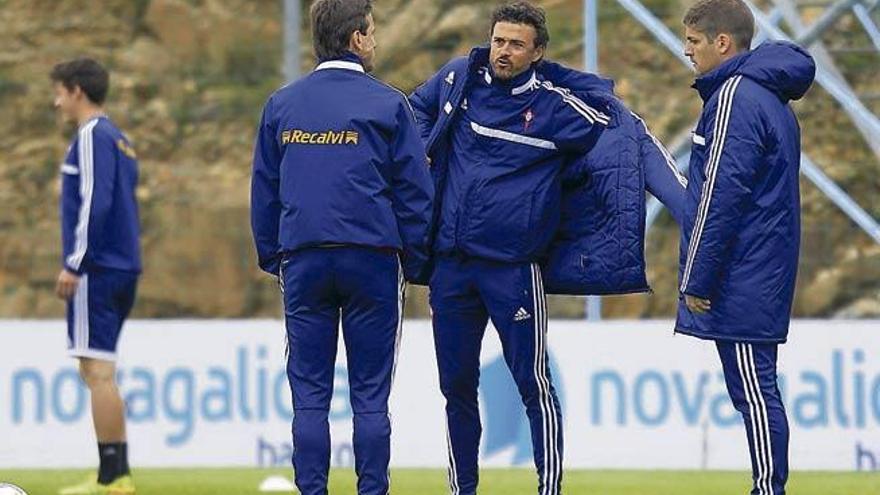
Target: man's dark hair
column 333, row 21
column 524, row 13
column 713, row 17
column 91, row 77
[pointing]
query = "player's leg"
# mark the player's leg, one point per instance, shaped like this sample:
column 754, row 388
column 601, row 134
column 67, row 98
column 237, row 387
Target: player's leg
column 96, row 315
column 108, row 410
column 311, row 316
column 459, row 320
column 371, row 287
column 750, row 373
column 517, row 304
column 112, row 295
column 108, row 416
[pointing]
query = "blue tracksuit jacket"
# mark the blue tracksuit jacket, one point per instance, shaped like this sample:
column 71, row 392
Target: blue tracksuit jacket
column 550, row 167
column 741, row 233
column 501, row 199
column 326, row 174
column 99, row 212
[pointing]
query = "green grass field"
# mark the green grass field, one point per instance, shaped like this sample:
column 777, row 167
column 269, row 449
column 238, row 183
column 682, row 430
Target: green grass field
column 492, row 482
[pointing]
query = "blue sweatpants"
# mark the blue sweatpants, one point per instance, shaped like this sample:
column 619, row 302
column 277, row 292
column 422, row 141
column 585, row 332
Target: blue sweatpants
column 365, row 288
column 465, row 293
column 750, row 373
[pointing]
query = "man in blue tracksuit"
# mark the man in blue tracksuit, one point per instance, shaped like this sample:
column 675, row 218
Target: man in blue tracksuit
column 535, row 165
column 340, row 206
column 741, row 232
column 100, row 235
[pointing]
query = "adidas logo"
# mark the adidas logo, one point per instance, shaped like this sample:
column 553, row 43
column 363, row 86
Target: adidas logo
column 521, row 314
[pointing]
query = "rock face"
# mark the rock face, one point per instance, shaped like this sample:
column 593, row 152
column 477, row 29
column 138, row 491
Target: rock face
column 189, row 78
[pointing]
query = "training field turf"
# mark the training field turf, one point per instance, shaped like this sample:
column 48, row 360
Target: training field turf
column 492, row 482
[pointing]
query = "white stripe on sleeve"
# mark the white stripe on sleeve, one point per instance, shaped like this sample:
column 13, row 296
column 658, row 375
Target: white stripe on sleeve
column 86, row 155
column 722, row 119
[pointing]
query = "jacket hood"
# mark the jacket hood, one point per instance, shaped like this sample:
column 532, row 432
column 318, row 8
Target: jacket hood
column 782, row 67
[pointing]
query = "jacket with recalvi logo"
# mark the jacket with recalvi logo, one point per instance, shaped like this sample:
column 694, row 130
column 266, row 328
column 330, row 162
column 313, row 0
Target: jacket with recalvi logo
column 338, row 160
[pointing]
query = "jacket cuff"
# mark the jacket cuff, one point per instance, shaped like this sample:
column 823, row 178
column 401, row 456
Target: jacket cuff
column 695, row 292
column 69, row 268
column 272, row 265
column 416, row 269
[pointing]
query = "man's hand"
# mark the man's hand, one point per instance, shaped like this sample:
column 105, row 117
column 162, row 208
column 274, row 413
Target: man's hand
column 66, row 285
column 697, row 305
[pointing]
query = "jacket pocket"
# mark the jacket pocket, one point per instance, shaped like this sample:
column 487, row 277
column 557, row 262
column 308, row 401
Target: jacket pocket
column 499, row 224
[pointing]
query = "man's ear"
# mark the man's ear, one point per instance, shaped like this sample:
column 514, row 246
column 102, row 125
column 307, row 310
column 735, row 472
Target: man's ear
column 724, row 44
column 77, row 92
column 539, row 54
column 356, row 41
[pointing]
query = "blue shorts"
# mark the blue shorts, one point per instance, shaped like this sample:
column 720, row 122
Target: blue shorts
column 97, row 311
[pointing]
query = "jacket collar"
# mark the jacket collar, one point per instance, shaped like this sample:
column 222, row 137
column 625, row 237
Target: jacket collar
column 530, row 84
column 348, row 61
column 523, row 83
column 93, row 118
column 708, row 83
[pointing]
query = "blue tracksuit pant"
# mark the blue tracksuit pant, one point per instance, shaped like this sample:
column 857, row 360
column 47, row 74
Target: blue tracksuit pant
column 364, row 287
column 750, row 373
column 465, row 293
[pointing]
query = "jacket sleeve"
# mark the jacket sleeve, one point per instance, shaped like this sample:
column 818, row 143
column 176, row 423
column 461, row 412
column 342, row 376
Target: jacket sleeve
column 578, row 129
column 425, row 102
column 265, row 196
column 97, row 175
column 412, row 192
column 662, row 178
column 578, row 125
column 735, row 155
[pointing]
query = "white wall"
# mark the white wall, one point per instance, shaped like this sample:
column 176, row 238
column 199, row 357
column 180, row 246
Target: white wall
column 214, row 393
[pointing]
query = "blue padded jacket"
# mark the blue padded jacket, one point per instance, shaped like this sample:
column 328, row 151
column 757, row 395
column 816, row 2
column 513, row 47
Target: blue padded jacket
column 556, row 173
column 741, row 233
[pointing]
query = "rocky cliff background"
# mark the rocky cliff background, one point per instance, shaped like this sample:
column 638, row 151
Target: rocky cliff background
column 189, row 78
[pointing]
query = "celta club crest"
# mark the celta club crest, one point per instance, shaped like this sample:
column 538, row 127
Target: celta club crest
column 528, row 117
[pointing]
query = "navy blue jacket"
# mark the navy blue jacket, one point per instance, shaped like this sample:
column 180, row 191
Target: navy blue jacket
column 338, row 160
column 741, row 233
column 99, row 211
column 554, row 172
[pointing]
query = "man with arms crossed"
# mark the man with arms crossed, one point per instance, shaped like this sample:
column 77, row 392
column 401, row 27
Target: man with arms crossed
column 506, row 131
column 340, row 205
column 741, row 232
column 100, row 236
